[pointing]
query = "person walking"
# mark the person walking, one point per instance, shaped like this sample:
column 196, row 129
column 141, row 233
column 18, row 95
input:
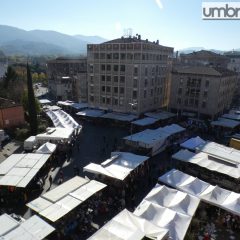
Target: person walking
column 50, row 180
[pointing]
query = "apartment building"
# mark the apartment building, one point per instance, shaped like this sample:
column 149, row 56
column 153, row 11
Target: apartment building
column 129, row 75
column 200, row 91
column 67, row 79
column 234, row 65
column 204, row 58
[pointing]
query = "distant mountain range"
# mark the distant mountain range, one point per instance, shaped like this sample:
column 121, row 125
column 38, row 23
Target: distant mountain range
column 40, row 42
column 195, row 49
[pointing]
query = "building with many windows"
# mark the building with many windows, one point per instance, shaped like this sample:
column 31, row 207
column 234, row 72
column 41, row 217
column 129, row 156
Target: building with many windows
column 200, row 91
column 129, row 75
column 67, row 79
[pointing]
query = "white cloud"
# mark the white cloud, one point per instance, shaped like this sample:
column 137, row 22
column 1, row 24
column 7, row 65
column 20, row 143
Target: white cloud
column 159, row 3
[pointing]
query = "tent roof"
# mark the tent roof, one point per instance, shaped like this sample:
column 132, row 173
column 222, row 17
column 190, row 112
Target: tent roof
column 58, row 202
column 118, row 166
column 44, row 101
column 221, row 152
column 144, row 121
column 220, row 197
column 127, row 226
column 120, row 116
column 202, row 159
column 47, row 148
column 224, row 122
column 176, row 223
column 91, row 113
column 232, row 116
column 160, row 115
column 19, row 169
column 33, row 228
column 7, row 224
column 56, row 134
column 192, row 143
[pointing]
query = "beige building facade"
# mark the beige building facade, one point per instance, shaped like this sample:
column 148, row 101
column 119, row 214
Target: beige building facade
column 129, row 75
column 202, row 92
column 67, row 79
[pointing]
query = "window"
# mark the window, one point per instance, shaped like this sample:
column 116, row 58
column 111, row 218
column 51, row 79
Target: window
column 96, row 55
column 121, row 90
column 102, row 55
column 103, row 88
column 115, row 101
column 205, row 94
column 121, row 102
column 122, row 79
column 103, row 99
column 109, row 56
column 91, row 68
column 108, row 78
column 115, row 89
column 122, row 68
column 91, row 79
column 134, row 94
column 151, row 92
column 108, row 67
column 108, row 89
column 135, row 70
column 135, row 82
column 203, row 104
column 145, row 82
column 91, row 98
column 145, row 94
column 103, row 67
column 123, row 56
column 115, row 56
column 115, row 68
column 179, row 101
column 207, row 84
column 103, row 78
column 137, row 56
column 108, row 100
column 115, row 79
column 129, row 56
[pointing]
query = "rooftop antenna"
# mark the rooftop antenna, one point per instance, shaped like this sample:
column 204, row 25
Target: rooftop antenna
column 127, row 32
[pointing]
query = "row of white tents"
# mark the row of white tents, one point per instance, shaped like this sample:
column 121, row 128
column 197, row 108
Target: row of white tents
column 33, row 228
column 155, row 140
column 56, row 203
column 163, row 214
column 220, row 197
column 119, row 166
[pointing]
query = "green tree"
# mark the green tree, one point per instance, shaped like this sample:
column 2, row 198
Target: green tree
column 33, row 121
column 25, row 103
column 10, row 76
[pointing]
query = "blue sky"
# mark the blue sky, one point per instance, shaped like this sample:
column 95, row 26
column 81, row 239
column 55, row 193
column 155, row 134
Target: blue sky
column 175, row 23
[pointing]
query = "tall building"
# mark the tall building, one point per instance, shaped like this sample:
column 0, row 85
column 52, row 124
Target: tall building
column 234, row 65
column 67, row 79
column 204, row 58
column 200, row 91
column 129, row 75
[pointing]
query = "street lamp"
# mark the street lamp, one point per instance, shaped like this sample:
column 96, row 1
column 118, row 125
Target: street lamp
column 132, row 105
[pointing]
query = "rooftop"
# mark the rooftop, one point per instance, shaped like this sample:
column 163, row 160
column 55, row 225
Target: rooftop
column 7, row 103
column 202, row 70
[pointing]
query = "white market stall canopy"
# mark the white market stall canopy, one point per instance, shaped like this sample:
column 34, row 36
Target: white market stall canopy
column 32, row 228
column 224, row 122
column 232, row 116
column 19, row 169
column 55, row 134
column 220, row 197
column 44, row 101
column 171, row 198
column 79, row 106
column 127, row 226
column 56, row 203
column 145, row 121
column 120, row 116
column 170, row 209
column 62, row 119
column 221, row 152
column 160, row 115
column 94, row 113
column 51, row 108
column 47, row 148
column 192, row 143
column 65, row 103
column 202, row 159
column 119, row 166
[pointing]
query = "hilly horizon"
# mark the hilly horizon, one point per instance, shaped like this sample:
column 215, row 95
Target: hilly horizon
column 42, row 42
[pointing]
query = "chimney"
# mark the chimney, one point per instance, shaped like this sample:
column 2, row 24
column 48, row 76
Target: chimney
column 146, row 40
column 139, row 37
column 157, row 42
